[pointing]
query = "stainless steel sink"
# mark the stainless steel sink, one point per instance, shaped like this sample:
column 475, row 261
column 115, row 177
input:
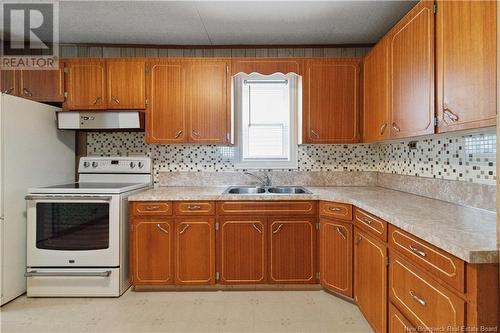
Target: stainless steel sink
column 266, row 190
column 245, row 190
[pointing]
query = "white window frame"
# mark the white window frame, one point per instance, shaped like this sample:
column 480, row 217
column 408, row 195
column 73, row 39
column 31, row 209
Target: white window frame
column 295, row 85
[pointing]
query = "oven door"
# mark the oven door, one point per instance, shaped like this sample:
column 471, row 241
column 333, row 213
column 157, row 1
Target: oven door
column 73, row 231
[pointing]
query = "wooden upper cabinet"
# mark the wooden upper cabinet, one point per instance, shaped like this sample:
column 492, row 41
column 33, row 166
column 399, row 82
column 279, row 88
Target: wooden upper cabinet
column 411, row 45
column 292, row 250
column 125, row 84
column 466, row 64
column 195, row 251
column 152, row 251
column 336, row 256
column 8, row 82
column 208, row 101
column 42, row 85
column 85, row 84
column 376, row 115
column 166, row 120
column 330, row 101
column 241, row 250
column 266, row 66
column 370, row 279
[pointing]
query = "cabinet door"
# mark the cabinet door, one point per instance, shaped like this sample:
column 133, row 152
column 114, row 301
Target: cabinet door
column 292, row 250
column 207, row 101
column 336, row 256
column 466, row 64
column 166, row 112
column 151, row 253
column 8, row 82
column 85, row 84
column 126, row 84
column 241, row 255
column 398, row 322
column 412, row 72
column 195, row 251
column 376, row 116
column 42, row 85
column 370, row 279
column 331, row 101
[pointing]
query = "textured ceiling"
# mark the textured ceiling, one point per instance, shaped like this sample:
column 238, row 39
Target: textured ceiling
column 228, row 22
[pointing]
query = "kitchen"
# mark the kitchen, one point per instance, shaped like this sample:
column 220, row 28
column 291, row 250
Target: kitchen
column 239, row 169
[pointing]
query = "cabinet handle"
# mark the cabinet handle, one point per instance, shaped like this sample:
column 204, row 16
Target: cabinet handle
column 150, row 208
column 452, row 116
column 358, row 240
column 417, row 299
column 26, row 92
column 96, row 100
column 396, row 127
column 115, row 100
column 366, row 220
column 196, row 133
column 278, row 229
column 382, row 128
column 184, row 229
column 194, row 207
column 8, row 90
column 256, row 228
column 162, row 229
column 334, row 209
column 417, row 251
column 178, row 134
column 315, row 134
column 341, row 233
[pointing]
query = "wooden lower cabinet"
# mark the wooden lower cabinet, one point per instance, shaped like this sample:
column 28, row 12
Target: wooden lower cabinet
column 241, row 250
column 195, row 251
column 397, row 321
column 151, row 254
column 370, row 279
column 335, row 255
column 292, row 250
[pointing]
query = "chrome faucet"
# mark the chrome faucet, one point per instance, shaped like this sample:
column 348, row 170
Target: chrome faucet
column 265, row 181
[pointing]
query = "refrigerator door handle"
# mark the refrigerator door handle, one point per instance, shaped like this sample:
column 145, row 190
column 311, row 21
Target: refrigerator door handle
column 62, row 274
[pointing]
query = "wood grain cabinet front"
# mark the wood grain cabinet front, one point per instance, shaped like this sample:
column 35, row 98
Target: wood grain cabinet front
column 267, row 208
column 370, row 223
column 292, row 250
column 335, row 210
column 195, row 251
column 194, row 208
column 148, row 208
column 242, row 250
column 151, row 251
column 85, row 84
column 42, row 85
column 370, row 279
column 8, row 82
column 336, row 256
column 125, row 84
column 397, row 321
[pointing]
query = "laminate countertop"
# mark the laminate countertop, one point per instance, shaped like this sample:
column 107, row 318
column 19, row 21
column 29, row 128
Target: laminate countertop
column 467, row 233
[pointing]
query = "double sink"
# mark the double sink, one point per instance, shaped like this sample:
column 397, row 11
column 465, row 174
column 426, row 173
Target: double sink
column 267, row 190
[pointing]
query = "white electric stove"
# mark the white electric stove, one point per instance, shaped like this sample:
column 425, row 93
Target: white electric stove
column 77, row 233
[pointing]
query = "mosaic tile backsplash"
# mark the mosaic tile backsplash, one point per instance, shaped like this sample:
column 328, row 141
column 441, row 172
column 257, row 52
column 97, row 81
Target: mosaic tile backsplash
column 463, row 157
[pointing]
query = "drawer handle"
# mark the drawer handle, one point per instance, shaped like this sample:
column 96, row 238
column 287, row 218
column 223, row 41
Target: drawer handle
column 334, row 209
column 366, row 220
column 256, row 228
column 417, row 299
column 278, row 229
column 184, row 229
column 150, row 208
column 341, row 233
column 162, row 229
column 417, row 251
column 194, row 207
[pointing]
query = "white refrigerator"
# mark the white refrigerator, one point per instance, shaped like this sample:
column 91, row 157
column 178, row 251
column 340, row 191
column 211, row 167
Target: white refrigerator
column 33, row 152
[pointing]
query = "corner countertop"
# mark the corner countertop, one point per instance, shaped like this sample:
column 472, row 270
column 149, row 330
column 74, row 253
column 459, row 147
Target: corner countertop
column 467, row 233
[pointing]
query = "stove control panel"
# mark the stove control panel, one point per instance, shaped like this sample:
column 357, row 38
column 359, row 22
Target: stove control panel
column 130, row 164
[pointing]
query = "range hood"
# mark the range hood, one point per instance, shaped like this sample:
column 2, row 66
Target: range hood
column 100, row 120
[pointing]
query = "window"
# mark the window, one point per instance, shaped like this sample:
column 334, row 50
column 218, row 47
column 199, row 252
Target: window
column 266, row 115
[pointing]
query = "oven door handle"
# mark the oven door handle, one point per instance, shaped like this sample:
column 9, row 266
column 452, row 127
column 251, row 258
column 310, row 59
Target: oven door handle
column 69, row 197
column 78, row 274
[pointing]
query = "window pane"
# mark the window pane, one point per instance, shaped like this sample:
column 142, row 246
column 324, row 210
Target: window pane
column 266, row 141
column 269, row 103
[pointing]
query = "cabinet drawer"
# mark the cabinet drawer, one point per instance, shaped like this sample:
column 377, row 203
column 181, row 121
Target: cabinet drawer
column 437, row 262
column 421, row 299
column 151, row 208
column 194, row 208
column 398, row 322
column 267, row 207
column 336, row 210
column 370, row 223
